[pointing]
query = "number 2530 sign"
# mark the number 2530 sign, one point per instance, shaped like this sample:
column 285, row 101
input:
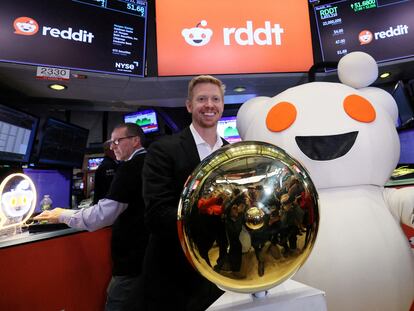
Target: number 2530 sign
column 50, row 73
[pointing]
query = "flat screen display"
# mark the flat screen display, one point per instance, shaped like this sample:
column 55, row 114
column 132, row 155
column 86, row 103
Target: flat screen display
column 54, row 182
column 404, row 103
column 17, row 133
column 376, row 27
column 232, row 36
column 62, row 144
column 93, row 163
column 93, row 35
column 227, row 129
column 407, row 146
column 146, row 119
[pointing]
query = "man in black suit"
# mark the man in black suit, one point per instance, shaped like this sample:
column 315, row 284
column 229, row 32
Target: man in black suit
column 123, row 208
column 171, row 283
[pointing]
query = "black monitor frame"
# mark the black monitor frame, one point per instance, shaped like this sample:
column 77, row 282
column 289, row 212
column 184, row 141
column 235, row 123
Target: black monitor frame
column 113, row 41
column 22, row 122
column 61, row 144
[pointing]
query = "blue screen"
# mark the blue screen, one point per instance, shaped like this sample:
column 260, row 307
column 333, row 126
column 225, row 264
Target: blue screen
column 54, row 182
column 407, row 146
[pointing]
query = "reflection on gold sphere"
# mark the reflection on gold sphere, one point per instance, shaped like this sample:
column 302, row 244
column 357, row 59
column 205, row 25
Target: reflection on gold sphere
column 248, row 217
column 254, row 218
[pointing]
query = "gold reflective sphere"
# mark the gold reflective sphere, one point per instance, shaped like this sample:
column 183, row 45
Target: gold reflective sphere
column 248, row 217
column 254, row 218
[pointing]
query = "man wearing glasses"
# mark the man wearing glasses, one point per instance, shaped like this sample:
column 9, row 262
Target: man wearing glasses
column 123, row 208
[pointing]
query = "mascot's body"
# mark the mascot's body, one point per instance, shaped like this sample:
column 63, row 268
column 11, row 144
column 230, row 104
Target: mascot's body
column 344, row 134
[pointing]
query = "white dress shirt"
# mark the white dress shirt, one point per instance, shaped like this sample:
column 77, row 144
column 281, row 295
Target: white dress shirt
column 203, row 148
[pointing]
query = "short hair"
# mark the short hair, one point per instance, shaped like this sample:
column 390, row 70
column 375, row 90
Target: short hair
column 132, row 129
column 204, row 79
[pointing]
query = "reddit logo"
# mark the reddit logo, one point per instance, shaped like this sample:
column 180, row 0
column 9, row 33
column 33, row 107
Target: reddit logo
column 365, row 37
column 25, row 26
column 197, row 36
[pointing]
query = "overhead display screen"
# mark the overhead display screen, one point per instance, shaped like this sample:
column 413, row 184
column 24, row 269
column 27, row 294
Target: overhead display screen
column 382, row 28
column 92, row 35
column 232, row 37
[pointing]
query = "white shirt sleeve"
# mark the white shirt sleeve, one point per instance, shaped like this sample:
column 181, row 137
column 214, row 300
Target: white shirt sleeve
column 98, row 216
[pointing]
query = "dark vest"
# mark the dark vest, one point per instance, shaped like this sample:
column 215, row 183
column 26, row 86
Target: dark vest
column 129, row 235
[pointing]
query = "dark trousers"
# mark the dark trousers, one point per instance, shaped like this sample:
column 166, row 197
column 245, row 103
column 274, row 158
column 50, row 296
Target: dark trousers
column 119, row 291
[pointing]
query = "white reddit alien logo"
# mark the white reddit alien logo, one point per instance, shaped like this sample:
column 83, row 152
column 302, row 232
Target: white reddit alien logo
column 365, row 37
column 197, row 36
column 25, row 26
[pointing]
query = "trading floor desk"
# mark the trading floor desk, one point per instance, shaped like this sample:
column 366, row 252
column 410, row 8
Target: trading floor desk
column 59, row 270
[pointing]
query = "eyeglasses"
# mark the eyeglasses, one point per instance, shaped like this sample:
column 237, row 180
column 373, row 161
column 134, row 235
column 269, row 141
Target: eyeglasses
column 118, row 140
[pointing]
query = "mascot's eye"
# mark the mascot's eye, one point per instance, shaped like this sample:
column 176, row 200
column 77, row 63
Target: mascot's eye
column 281, row 116
column 191, row 36
column 358, row 108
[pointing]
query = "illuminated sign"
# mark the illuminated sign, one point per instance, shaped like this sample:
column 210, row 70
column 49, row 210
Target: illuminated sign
column 17, row 200
column 232, row 37
column 363, row 5
column 328, row 12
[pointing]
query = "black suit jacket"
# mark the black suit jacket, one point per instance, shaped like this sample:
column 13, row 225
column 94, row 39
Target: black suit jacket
column 171, row 283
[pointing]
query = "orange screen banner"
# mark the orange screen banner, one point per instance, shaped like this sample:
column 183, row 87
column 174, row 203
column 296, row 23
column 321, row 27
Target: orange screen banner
column 232, row 36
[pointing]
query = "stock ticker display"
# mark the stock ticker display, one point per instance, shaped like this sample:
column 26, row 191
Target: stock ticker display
column 376, row 27
column 93, row 35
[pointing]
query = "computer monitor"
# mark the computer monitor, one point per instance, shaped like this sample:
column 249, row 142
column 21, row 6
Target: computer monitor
column 406, row 146
column 404, row 103
column 56, row 183
column 146, row 119
column 62, row 144
column 17, row 134
column 227, row 129
column 93, row 163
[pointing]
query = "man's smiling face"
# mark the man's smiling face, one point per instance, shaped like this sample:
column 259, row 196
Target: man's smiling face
column 206, row 105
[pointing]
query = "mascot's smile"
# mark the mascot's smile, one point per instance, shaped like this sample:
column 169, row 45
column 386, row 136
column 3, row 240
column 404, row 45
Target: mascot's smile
column 324, row 148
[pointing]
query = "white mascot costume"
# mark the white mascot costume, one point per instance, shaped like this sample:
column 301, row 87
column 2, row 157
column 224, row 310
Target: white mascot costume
column 344, row 134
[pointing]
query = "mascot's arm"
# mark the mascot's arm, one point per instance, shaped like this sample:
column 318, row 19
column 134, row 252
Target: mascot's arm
column 401, row 204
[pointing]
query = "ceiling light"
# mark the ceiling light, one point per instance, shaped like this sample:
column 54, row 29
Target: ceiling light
column 239, row 89
column 58, row 87
column 385, row 75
